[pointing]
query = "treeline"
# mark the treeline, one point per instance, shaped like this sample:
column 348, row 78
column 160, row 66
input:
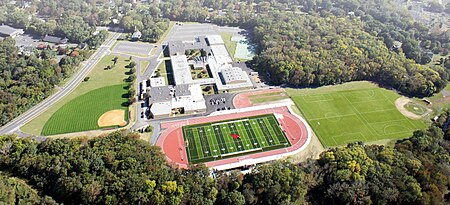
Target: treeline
column 121, row 169
column 15, row 191
column 27, row 80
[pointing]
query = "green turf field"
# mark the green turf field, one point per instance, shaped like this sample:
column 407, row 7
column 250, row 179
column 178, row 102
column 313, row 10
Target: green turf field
column 82, row 113
column 358, row 111
column 213, row 141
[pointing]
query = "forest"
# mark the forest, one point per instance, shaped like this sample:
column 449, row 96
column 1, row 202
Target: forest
column 118, row 168
column 27, row 80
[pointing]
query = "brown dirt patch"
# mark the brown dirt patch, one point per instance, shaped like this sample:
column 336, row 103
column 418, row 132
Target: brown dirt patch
column 400, row 104
column 112, row 118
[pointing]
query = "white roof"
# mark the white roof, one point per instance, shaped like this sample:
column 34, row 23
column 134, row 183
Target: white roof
column 157, row 82
column 221, row 54
column 161, row 108
column 233, row 74
column 181, row 70
column 215, row 40
column 195, row 101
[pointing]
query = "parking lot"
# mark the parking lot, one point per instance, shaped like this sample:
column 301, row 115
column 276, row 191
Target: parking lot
column 133, row 48
column 219, row 102
column 188, row 32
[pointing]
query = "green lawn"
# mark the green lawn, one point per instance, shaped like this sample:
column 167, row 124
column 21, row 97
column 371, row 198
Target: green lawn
column 415, row 108
column 267, row 97
column 144, row 65
column 214, row 141
column 83, row 112
column 161, row 70
column 357, row 111
column 231, row 45
column 99, row 77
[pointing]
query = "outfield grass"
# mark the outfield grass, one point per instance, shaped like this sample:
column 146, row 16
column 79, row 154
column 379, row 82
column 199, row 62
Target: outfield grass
column 83, row 112
column 213, row 141
column 357, row 111
column 230, row 45
column 99, row 77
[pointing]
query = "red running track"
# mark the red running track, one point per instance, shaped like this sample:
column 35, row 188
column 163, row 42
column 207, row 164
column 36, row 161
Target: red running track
column 242, row 100
column 172, row 143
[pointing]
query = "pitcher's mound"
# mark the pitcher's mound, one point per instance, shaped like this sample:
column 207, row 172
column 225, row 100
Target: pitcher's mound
column 112, row 118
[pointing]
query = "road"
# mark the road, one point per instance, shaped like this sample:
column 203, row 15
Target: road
column 38, row 109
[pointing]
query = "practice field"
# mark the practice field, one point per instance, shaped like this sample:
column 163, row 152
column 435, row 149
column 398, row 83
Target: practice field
column 83, row 112
column 358, row 111
column 225, row 139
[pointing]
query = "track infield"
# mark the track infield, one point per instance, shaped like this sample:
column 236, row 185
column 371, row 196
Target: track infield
column 215, row 141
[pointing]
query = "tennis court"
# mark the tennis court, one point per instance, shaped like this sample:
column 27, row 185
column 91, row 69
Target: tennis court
column 231, row 138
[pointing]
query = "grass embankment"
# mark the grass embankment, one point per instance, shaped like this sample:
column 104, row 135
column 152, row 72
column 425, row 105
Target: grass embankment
column 99, row 78
column 357, row 111
column 231, row 45
column 267, row 97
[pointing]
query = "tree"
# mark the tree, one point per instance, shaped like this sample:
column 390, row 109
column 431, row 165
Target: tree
column 75, row 29
column 131, row 78
column 148, row 129
column 132, row 64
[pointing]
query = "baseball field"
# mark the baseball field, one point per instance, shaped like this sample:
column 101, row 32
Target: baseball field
column 83, row 112
column 231, row 138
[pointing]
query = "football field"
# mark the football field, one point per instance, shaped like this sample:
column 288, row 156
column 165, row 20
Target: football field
column 231, row 138
column 357, row 111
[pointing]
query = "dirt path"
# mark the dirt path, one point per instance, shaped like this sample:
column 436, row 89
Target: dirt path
column 400, row 104
column 311, row 152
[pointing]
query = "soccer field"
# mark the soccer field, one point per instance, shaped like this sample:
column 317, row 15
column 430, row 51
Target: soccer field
column 231, row 138
column 357, row 111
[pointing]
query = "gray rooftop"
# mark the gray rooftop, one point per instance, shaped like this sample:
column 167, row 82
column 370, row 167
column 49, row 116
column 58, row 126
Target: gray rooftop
column 182, row 90
column 8, row 30
column 54, row 39
column 160, row 94
column 179, row 47
column 176, row 48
